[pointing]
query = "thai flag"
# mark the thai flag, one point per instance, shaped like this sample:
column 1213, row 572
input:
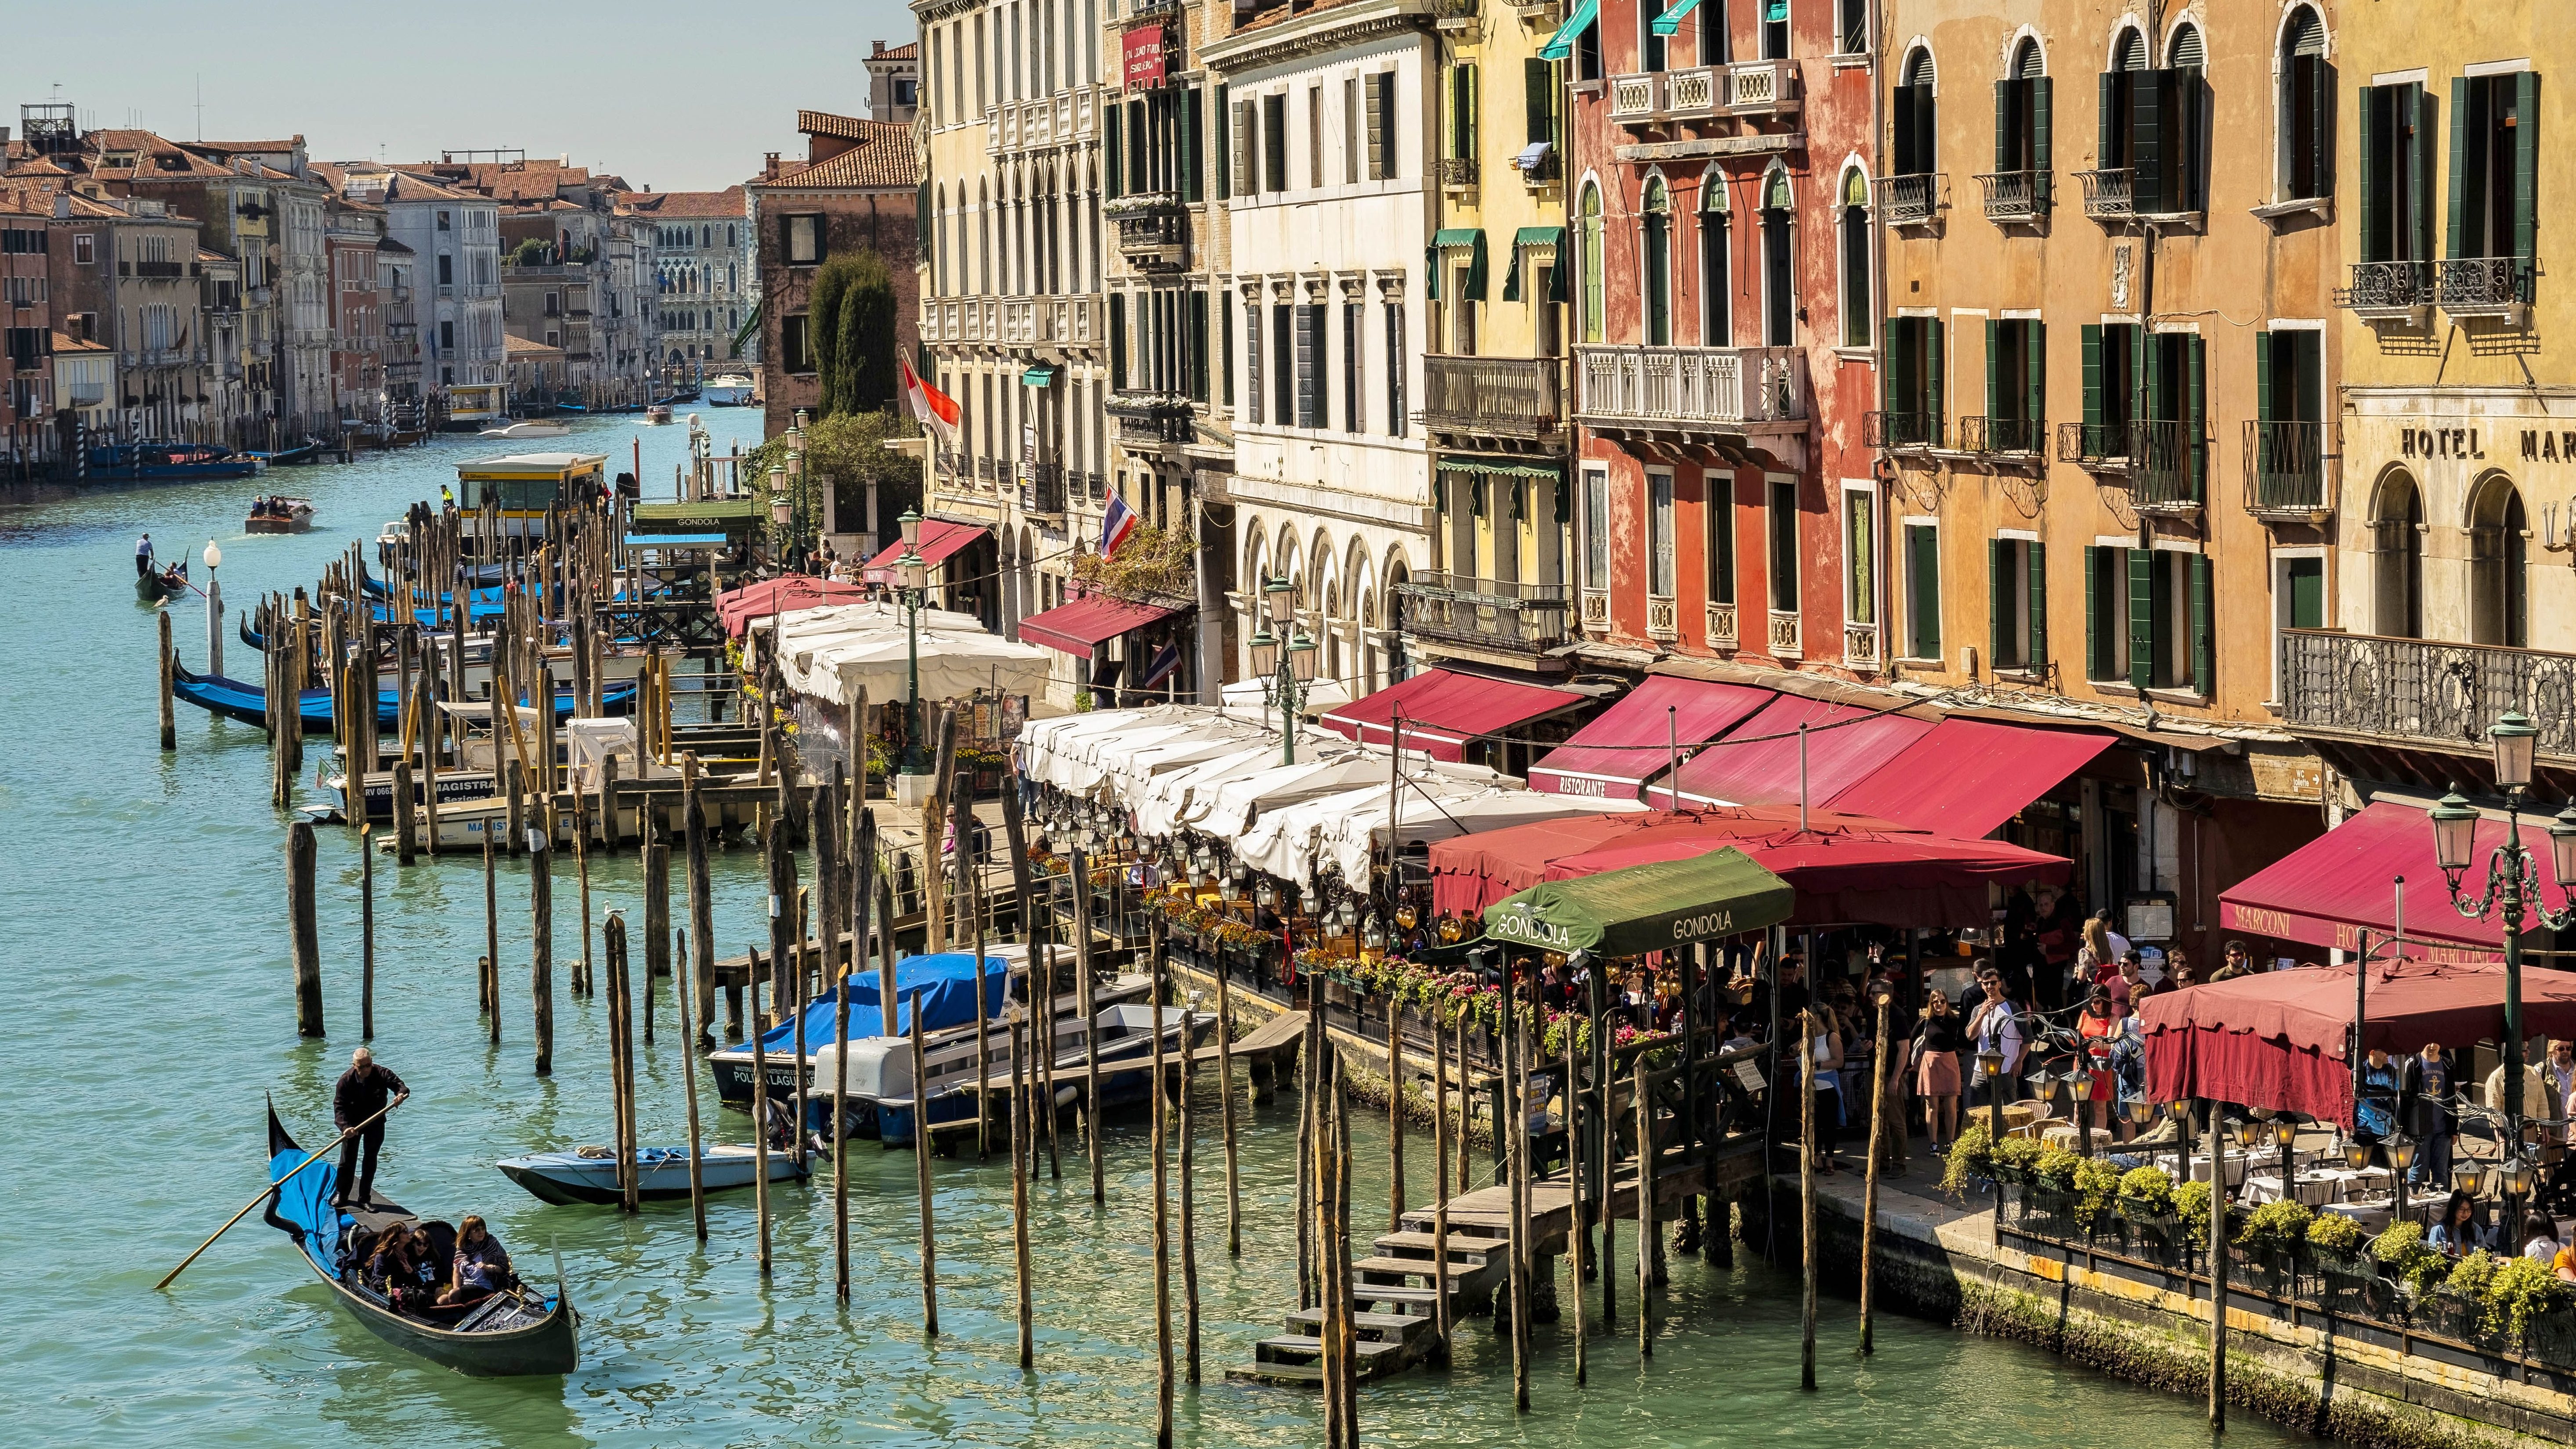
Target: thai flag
column 1115, row 524
column 1160, row 668
column 937, row 411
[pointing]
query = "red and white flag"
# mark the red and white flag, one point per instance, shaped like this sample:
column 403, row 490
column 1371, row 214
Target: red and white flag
column 936, row 410
column 1116, row 523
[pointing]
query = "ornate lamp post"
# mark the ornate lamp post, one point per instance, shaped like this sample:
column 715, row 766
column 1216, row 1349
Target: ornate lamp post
column 915, row 576
column 2512, row 893
column 1283, row 658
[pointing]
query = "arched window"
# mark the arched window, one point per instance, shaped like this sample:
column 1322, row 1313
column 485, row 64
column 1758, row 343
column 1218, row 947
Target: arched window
column 1657, row 228
column 983, row 239
column 2185, row 49
column 1716, row 277
column 2306, row 114
column 2397, row 558
column 2499, row 576
column 1911, row 119
column 2129, row 51
column 2022, row 104
column 1854, row 222
column 1588, row 224
column 939, row 259
column 1779, row 262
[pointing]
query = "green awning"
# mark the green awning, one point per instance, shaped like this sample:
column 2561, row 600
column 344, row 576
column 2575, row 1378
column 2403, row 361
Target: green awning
column 1448, row 237
column 1039, row 376
column 1537, row 236
column 1652, row 907
column 1501, row 467
column 1671, row 20
column 1561, row 45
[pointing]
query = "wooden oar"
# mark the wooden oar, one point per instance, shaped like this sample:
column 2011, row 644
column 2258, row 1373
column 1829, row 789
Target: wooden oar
column 317, row 1156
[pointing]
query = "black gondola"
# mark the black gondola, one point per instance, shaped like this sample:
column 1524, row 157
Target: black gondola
column 518, row 1331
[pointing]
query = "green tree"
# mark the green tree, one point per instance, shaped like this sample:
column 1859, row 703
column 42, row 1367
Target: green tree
column 530, row 253
column 850, row 316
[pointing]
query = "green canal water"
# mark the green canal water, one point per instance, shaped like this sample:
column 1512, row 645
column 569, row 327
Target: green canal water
column 151, row 1009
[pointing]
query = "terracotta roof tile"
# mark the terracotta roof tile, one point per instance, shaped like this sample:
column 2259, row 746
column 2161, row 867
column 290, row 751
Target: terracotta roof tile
column 825, row 123
column 883, row 158
column 725, row 205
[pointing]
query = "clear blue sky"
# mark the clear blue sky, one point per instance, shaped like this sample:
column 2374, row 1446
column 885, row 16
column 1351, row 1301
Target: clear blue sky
column 677, row 97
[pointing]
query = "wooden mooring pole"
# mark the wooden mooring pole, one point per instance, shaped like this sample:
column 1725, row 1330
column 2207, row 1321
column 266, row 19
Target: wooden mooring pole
column 1225, row 1108
column 1577, row 1235
column 1648, row 1246
column 2218, row 1240
column 921, row 1150
column 366, row 933
column 489, row 970
column 169, row 687
column 1806, row 1201
column 1023, row 1155
column 1162, row 1215
column 689, row 1085
column 1189, row 1212
column 1869, row 1177
column 303, row 933
column 541, row 946
column 1442, row 1310
column 759, row 1117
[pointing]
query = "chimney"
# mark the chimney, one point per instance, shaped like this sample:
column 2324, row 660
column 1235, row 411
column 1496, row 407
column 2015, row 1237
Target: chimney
column 878, row 50
column 769, row 171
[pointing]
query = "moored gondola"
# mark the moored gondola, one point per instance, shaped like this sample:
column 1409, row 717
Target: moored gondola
column 520, row 1330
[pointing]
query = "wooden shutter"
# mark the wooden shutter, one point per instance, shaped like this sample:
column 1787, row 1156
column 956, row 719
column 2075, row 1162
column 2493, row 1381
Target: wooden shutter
column 2526, row 161
column 2147, row 91
column 1246, row 181
column 2196, row 354
column 2456, row 237
column 2110, row 146
column 2096, row 658
column 1895, row 387
column 1538, row 99
column 2034, row 361
column 1283, row 364
column 2203, row 647
column 1309, row 385
column 1932, row 373
column 2321, row 121
column 2043, row 100
column 1925, row 614
column 1374, row 93
column 2091, row 343
column 1274, row 143
column 2007, row 156
column 2420, row 124
column 2263, row 363
column 2035, row 581
column 1113, row 152
column 1198, row 336
column 1228, row 144
column 1995, row 599
column 1994, row 375
column 1395, row 369
column 2366, row 122
column 1192, row 188
column 1252, row 361
column 1117, row 341
column 1926, row 140
column 2142, row 617
column 1225, row 350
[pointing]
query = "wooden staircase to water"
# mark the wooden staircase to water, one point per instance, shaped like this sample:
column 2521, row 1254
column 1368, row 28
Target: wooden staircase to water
column 1395, row 1295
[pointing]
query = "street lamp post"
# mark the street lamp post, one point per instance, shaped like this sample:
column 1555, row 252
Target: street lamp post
column 2512, row 894
column 916, row 580
column 1284, row 660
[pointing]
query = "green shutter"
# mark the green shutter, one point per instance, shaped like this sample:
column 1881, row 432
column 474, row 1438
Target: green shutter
column 1117, row 342
column 1113, row 152
column 2196, row 433
column 2042, row 100
column 2203, row 648
column 1199, row 346
column 1995, row 603
column 1476, row 269
column 1925, row 613
column 2146, row 139
column 2095, row 658
column 2526, row 161
column 1933, row 328
column 1228, row 159
column 2459, row 165
column 2265, row 358
column 2004, row 157
column 2035, row 364
column 2142, row 617
column 2365, row 121
column 2035, row 569
column 2108, row 144
column 1893, row 391
column 1191, row 120
column 2322, row 123
column 1994, row 391
column 2091, row 343
column 2422, row 108
column 1538, row 98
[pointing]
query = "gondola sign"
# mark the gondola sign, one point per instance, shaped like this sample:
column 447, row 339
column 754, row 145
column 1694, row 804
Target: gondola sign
column 1526, row 928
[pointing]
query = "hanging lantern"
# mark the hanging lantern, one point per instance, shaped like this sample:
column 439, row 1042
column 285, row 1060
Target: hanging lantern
column 1372, row 935
column 1406, row 918
column 2081, row 1084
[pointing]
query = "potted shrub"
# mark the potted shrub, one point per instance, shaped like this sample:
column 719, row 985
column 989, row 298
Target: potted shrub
column 2458, row 1307
column 1971, row 1160
column 2273, row 1235
column 2191, row 1209
column 2335, row 1241
column 2518, row 1293
column 2014, row 1157
column 2097, row 1183
column 2051, row 1195
column 2404, row 1256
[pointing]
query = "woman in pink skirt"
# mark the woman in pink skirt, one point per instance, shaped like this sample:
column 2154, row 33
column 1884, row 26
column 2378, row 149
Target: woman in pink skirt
column 1936, row 1070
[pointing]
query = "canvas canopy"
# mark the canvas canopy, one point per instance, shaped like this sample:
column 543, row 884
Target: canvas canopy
column 1646, row 907
column 944, row 984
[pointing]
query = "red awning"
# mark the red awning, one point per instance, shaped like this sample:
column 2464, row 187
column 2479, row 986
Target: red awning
column 1085, row 624
column 738, row 607
column 1444, row 709
column 2277, row 1038
column 2328, row 891
column 1845, row 875
column 1757, row 762
column 1967, row 777
column 1627, row 745
column 939, row 539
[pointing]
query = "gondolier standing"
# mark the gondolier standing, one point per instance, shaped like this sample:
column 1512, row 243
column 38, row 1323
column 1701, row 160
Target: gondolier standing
column 361, row 1094
column 143, row 557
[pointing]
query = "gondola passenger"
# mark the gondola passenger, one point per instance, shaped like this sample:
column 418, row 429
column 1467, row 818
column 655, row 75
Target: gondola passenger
column 482, row 1268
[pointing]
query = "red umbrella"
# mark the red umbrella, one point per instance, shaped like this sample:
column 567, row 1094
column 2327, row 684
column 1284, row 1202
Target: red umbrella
column 2278, row 1038
column 738, row 607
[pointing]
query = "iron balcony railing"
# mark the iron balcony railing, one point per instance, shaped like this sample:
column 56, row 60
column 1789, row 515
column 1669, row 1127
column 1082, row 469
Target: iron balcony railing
column 2166, row 465
column 1043, row 491
column 2110, row 194
column 1519, row 397
column 1151, row 417
column 2015, row 195
column 2476, row 285
column 2388, row 287
column 2094, row 445
column 1896, row 430
column 1457, row 171
column 1501, row 614
column 1713, row 388
column 2425, row 690
column 2003, row 437
column 1152, row 230
column 2285, row 470
column 1909, row 200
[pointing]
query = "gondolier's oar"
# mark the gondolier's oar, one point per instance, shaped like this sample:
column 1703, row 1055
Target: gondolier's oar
column 318, row 1155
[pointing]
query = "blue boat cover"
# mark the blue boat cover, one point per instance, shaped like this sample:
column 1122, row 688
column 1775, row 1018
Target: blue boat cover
column 305, row 1203
column 944, row 984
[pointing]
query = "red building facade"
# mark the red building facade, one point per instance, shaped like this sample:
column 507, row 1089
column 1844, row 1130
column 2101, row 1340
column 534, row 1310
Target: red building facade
column 357, row 316
column 1725, row 363
column 26, row 336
